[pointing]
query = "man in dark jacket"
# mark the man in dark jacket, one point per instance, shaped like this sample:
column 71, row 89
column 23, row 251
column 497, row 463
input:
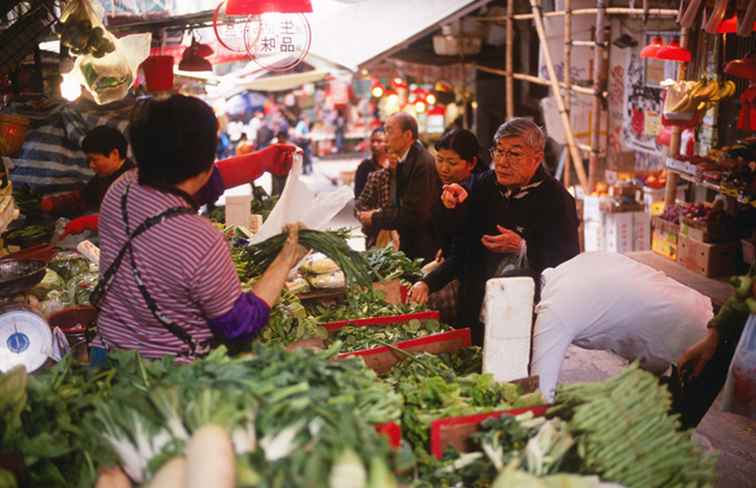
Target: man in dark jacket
column 416, row 190
column 516, row 214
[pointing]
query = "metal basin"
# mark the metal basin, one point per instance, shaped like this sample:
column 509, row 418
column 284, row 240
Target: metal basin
column 18, row 276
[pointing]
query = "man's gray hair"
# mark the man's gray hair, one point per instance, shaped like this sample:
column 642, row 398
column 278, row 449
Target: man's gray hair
column 523, row 128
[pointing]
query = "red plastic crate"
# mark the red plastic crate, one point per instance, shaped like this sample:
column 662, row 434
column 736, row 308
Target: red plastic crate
column 454, row 431
column 386, row 320
column 392, row 431
column 382, row 359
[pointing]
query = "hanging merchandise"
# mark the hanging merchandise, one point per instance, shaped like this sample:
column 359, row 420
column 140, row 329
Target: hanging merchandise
column 685, row 102
column 743, row 68
column 105, row 65
column 716, row 17
column 747, row 116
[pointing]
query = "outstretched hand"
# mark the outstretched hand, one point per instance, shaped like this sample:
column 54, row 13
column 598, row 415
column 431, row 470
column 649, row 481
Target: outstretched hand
column 453, row 195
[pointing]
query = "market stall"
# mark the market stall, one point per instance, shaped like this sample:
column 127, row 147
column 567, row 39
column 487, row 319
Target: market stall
column 347, row 384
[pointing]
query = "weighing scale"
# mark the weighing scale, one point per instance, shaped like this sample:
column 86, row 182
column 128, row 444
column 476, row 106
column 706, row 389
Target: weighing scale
column 25, row 337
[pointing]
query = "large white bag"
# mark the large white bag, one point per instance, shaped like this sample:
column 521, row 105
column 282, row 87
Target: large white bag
column 739, row 395
column 299, row 204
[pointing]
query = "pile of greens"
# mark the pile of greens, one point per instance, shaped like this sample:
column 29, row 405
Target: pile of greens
column 431, row 389
column 70, row 280
column 296, row 419
column 256, row 258
column 387, row 264
column 290, row 322
column 361, row 303
column 356, row 338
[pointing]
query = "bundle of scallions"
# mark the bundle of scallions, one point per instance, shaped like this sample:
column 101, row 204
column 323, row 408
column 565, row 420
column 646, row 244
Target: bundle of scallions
column 333, row 244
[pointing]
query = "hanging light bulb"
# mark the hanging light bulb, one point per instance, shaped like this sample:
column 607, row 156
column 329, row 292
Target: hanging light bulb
column 70, row 88
column 377, row 91
column 431, row 99
column 651, row 50
column 420, row 107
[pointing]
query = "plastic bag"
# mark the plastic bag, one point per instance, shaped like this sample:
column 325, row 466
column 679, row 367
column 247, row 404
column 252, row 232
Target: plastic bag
column 319, row 211
column 318, row 263
column 109, row 78
column 739, row 395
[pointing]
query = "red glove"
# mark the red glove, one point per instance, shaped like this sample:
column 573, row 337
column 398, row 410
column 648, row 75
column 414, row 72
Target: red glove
column 246, row 168
column 80, row 224
column 64, row 203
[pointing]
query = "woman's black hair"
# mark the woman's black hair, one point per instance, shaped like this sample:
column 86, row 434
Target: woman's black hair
column 377, row 130
column 462, row 142
column 103, row 139
column 172, row 139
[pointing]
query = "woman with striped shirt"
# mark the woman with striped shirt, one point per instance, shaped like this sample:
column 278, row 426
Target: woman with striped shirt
column 169, row 286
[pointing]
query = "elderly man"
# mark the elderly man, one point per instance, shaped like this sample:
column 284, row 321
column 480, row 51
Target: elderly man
column 517, row 216
column 414, row 189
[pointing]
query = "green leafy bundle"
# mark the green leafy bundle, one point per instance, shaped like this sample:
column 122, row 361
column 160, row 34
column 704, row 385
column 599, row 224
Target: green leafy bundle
column 387, row 264
column 625, row 434
column 257, row 257
column 290, row 322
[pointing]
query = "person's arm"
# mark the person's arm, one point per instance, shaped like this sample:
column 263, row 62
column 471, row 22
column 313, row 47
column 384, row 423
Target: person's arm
column 416, row 201
column 368, row 198
column 269, row 287
column 63, row 204
column 557, row 240
column 551, row 338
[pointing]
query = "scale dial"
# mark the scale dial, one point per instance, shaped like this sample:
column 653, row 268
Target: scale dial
column 25, row 339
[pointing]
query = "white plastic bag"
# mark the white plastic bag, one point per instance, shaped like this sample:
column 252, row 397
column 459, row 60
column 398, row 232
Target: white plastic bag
column 109, row 78
column 739, row 395
column 299, row 204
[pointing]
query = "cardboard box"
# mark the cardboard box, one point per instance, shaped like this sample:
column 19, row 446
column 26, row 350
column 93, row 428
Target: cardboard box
column 593, row 237
column 666, row 227
column 711, row 260
column 709, row 232
column 661, row 245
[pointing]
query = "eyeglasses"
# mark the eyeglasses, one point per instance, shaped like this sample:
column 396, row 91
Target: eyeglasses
column 498, row 153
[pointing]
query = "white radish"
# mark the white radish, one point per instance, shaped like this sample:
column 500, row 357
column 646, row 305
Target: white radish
column 210, row 459
column 112, row 478
column 171, row 475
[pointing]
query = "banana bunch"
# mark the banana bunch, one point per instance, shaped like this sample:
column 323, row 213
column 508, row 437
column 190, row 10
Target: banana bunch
column 696, row 96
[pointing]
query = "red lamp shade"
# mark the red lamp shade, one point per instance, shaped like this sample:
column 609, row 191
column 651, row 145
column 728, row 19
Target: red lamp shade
column 673, row 52
column 257, row 7
column 730, row 26
column 653, row 48
column 193, row 58
column 158, row 71
column 742, row 68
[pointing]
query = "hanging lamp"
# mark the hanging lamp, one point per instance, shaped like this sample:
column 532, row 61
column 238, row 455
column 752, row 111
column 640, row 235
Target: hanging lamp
column 743, row 68
column 650, row 51
column 730, row 26
column 673, row 52
column 257, row 7
column 193, row 58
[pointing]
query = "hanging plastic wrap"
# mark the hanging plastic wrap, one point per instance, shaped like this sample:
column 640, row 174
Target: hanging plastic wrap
column 105, row 65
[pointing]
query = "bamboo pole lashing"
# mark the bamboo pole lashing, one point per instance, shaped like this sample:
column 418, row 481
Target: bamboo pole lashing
column 509, row 60
column 598, row 76
column 567, row 76
column 670, row 191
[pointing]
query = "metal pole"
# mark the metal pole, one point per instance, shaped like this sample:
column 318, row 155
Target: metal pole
column 575, row 153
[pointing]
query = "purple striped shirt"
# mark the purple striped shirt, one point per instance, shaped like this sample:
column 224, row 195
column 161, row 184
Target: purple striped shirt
column 185, row 264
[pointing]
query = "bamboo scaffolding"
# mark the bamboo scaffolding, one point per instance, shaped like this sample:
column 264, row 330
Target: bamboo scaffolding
column 509, row 60
column 566, row 179
column 657, row 12
column 538, row 81
column 599, row 80
column 670, row 191
column 580, row 43
column 555, row 88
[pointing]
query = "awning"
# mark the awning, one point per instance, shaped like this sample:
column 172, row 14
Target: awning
column 352, row 35
column 282, row 82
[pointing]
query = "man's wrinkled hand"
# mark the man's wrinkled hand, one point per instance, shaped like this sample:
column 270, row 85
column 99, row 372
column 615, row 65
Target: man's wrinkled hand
column 506, row 241
column 419, row 293
column 695, row 359
column 366, row 217
column 453, row 195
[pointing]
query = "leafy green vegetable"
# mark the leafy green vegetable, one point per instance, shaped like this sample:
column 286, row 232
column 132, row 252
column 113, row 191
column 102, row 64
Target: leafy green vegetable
column 356, row 338
column 362, row 303
column 387, row 264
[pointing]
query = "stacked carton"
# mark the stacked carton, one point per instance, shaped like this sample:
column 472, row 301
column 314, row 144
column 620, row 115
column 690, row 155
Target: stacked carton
column 607, row 230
